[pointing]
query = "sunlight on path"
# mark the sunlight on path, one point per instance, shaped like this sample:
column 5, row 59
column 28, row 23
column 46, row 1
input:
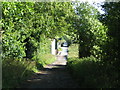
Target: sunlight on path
column 59, row 62
column 54, row 75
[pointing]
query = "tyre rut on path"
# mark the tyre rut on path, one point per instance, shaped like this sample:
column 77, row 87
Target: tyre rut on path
column 54, row 75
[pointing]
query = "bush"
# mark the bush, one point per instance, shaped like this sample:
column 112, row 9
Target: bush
column 90, row 72
column 43, row 56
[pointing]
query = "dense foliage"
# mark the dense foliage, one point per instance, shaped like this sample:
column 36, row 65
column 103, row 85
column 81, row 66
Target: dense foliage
column 89, row 32
column 111, row 19
column 28, row 29
column 24, row 24
column 91, row 73
column 97, row 65
column 17, row 26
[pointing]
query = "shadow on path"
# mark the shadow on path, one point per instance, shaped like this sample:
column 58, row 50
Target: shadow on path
column 54, row 75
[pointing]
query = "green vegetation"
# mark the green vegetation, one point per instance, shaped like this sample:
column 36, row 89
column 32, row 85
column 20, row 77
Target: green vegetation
column 73, row 50
column 26, row 24
column 111, row 20
column 43, row 54
column 14, row 72
column 91, row 73
column 98, row 39
column 29, row 27
column 88, row 31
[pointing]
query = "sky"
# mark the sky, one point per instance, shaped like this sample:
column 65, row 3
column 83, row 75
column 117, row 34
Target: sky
column 95, row 1
column 99, row 8
column 92, row 0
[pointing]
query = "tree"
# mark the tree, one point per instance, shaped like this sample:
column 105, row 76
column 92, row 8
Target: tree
column 25, row 24
column 89, row 31
column 111, row 19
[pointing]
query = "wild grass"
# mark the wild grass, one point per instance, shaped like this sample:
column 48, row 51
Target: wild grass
column 73, row 50
column 15, row 71
column 45, row 59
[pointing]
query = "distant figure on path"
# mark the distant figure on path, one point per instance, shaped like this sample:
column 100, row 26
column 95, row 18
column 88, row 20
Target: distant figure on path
column 64, row 51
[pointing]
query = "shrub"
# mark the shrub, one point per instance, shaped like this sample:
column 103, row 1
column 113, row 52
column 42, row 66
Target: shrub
column 91, row 72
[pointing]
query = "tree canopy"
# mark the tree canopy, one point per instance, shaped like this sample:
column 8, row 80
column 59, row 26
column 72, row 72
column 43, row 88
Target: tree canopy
column 24, row 24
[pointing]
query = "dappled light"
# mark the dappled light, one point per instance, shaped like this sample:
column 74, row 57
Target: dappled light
column 54, row 75
column 60, row 45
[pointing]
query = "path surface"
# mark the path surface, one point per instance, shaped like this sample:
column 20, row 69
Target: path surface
column 54, row 75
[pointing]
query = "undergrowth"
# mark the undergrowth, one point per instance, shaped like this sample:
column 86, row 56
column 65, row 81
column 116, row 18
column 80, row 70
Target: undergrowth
column 92, row 73
column 44, row 60
column 14, row 72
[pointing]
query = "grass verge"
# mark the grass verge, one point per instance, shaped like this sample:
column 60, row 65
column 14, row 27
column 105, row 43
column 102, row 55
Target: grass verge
column 73, row 50
column 44, row 60
column 14, row 72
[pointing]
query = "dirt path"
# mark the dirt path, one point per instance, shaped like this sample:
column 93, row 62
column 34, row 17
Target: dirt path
column 54, row 75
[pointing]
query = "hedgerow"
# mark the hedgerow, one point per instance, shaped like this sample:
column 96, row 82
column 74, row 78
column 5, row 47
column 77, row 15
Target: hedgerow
column 28, row 28
column 91, row 73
